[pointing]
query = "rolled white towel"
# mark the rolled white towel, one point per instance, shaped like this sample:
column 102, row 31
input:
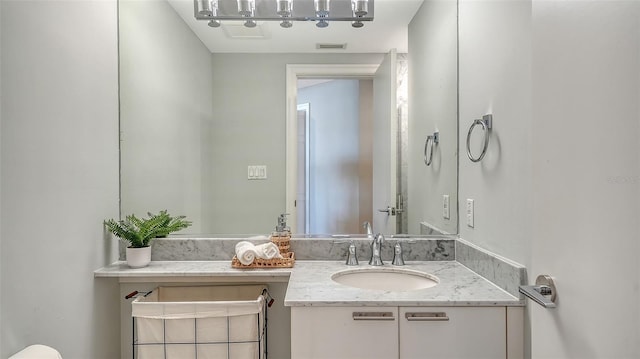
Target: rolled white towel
column 268, row 251
column 246, row 252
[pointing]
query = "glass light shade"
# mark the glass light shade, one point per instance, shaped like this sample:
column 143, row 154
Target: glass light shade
column 360, row 7
column 246, row 7
column 204, row 8
column 322, row 8
column 284, row 7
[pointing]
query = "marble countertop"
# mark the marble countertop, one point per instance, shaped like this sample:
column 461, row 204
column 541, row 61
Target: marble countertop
column 210, row 269
column 310, row 283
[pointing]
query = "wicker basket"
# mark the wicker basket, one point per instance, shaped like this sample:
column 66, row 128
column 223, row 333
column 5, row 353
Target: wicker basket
column 283, row 241
column 285, row 262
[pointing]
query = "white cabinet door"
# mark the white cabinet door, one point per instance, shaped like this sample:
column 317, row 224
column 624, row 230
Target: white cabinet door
column 452, row 332
column 344, row 332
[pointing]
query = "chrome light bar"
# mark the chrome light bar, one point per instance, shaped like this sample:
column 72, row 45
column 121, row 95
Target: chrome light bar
column 285, row 11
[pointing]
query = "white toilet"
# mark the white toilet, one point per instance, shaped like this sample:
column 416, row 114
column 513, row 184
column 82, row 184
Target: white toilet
column 37, row 351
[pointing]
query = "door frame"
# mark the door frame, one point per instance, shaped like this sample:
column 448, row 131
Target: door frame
column 306, row 107
column 293, row 72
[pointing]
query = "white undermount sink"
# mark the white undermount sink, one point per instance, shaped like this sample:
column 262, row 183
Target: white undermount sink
column 390, row 279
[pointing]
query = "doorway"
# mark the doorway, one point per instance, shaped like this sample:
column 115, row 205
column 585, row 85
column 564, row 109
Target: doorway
column 384, row 123
column 335, row 155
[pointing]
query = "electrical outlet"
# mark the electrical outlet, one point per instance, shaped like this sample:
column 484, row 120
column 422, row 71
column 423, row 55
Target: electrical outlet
column 470, row 212
column 445, row 206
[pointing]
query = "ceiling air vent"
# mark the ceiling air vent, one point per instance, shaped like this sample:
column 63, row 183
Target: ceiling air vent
column 331, row 46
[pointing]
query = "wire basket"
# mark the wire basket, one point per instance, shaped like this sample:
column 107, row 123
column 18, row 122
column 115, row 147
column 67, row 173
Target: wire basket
column 200, row 322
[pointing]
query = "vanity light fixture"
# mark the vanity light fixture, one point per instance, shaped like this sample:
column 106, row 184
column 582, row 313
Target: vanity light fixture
column 360, row 8
column 213, row 8
column 247, row 9
column 322, row 9
column 322, row 12
column 284, row 9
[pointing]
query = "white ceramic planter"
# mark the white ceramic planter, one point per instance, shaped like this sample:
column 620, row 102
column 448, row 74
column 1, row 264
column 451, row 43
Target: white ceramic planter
column 138, row 257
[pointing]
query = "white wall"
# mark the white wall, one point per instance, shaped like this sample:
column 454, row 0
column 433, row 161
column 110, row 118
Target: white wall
column 433, row 106
column 165, row 113
column 249, row 122
column 334, row 156
column 59, row 180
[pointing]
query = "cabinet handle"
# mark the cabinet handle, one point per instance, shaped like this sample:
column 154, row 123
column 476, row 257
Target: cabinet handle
column 427, row 317
column 373, row 316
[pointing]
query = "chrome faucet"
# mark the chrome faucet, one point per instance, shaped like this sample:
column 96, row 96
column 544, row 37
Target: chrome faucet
column 398, row 259
column 352, row 257
column 367, row 226
column 376, row 248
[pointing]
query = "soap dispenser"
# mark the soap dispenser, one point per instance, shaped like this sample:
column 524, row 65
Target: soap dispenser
column 282, row 236
column 282, row 224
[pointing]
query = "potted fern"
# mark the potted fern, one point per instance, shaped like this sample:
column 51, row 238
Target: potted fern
column 139, row 232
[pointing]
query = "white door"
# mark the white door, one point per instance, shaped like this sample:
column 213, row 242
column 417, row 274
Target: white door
column 586, row 211
column 385, row 120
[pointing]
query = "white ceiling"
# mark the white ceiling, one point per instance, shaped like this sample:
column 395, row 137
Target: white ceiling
column 388, row 30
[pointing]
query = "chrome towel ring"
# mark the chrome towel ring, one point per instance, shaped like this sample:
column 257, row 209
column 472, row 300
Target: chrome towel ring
column 429, row 144
column 486, row 123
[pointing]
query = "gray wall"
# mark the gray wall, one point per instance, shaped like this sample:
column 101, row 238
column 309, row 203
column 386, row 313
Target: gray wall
column 165, row 113
column 433, row 106
column 249, row 129
column 500, row 184
column 334, row 156
column 59, row 176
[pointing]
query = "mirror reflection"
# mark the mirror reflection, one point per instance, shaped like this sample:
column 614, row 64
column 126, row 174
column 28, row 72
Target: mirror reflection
column 205, row 122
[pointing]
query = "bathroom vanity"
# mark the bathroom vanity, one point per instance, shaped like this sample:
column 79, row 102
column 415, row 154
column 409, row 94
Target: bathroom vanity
column 463, row 315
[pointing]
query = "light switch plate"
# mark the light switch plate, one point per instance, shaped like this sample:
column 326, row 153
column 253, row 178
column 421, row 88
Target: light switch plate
column 257, row 172
column 470, row 212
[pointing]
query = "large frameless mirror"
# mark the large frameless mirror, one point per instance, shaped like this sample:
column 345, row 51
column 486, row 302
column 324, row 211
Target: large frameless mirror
column 208, row 120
